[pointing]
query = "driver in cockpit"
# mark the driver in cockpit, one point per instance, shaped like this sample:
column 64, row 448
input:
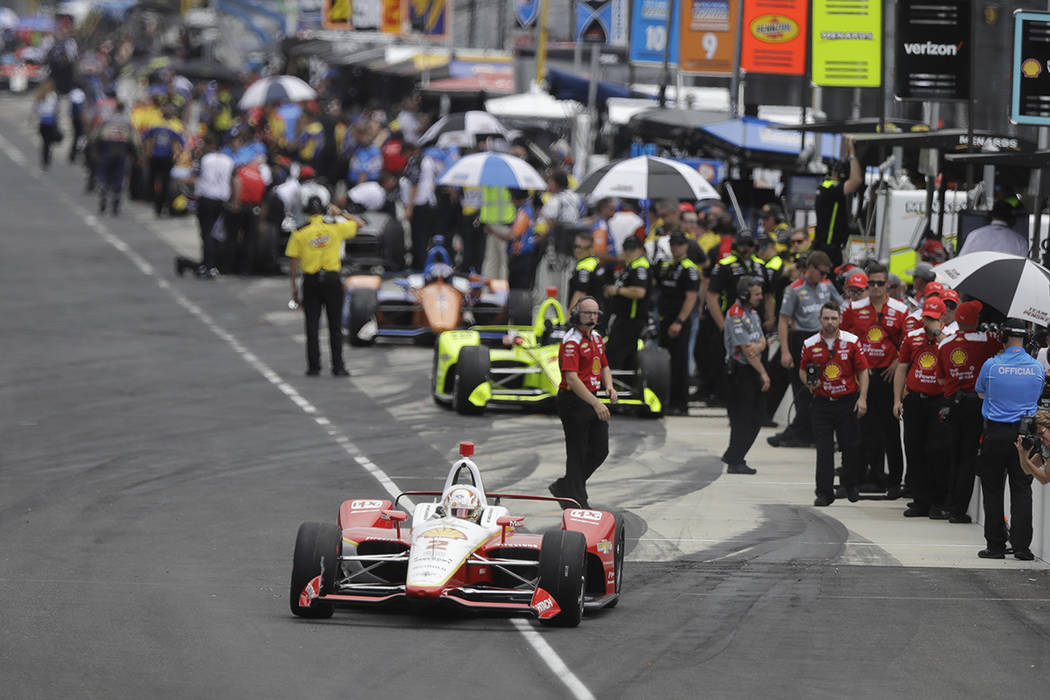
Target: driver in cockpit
column 464, row 502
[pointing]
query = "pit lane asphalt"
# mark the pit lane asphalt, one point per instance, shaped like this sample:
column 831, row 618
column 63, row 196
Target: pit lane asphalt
column 152, row 482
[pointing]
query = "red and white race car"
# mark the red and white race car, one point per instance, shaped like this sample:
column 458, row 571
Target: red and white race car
column 464, row 549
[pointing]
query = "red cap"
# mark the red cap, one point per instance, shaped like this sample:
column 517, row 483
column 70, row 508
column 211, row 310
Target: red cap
column 932, row 288
column 306, row 172
column 466, row 449
column 686, row 206
column 932, row 308
column 968, row 312
column 858, row 279
column 552, row 292
column 950, row 295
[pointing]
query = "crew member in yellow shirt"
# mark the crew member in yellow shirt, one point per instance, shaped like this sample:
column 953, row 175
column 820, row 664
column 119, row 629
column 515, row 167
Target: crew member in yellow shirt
column 316, row 248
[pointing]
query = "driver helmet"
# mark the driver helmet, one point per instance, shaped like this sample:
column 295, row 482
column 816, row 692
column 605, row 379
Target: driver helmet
column 313, row 190
column 463, row 501
column 438, row 271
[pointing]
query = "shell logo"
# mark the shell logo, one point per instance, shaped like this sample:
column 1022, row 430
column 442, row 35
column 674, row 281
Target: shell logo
column 1031, row 68
column 597, row 367
column 446, row 532
column 958, row 356
column 927, row 360
column 832, row 371
column 773, row 29
column 875, row 334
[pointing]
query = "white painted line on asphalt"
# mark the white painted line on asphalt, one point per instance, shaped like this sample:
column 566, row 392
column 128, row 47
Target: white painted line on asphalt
column 546, row 653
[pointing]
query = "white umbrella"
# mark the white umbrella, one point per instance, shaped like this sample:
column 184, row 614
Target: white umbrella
column 1016, row 286
column 462, row 129
column 647, row 177
column 280, row 88
column 8, row 18
column 493, row 170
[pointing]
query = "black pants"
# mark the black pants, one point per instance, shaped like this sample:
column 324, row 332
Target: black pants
column 160, row 180
column 78, row 131
column 880, row 435
column 472, row 233
column 323, row 290
column 424, row 226
column 679, row 349
column 710, row 355
column 999, row 462
column 926, row 449
column 835, row 418
column 622, row 348
column 965, row 429
column 519, row 271
column 209, row 212
column 243, row 229
column 802, row 424
column 747, row 409
column 110, row 177
column 586, row 442
column 779, row 382
column 49, row 136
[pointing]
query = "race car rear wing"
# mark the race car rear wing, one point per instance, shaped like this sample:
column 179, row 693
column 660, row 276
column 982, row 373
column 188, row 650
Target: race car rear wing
column 497, row 497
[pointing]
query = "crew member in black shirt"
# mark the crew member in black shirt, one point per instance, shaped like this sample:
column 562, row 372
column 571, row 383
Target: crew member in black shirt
column 832, row 229
column 628, row 302
column 679, row 282
column 588, row 276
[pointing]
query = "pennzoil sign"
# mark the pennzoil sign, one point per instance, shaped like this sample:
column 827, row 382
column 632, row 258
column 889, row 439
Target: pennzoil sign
column 774, row 29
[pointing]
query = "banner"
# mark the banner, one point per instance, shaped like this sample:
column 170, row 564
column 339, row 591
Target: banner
column 429, row 17
column 707, row 36
column 602, row 21
column 1030, row 102
column 774, row 37
column 847, row 43
column 649, row 32
column 393, row 17
column 933, row 50
column 526, row 12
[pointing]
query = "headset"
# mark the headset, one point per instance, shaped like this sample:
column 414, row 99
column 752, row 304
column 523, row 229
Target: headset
column 1015, row 328
column 743, row 288
column 574, row 314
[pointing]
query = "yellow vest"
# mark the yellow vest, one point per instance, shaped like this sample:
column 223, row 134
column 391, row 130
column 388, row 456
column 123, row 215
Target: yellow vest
column 496, row 207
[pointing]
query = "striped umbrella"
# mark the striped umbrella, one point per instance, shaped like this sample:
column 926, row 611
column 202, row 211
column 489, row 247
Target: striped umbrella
column 493, row 170
column 279, row 88
column 1016, row 286
column 647, row 177
column 462, row 129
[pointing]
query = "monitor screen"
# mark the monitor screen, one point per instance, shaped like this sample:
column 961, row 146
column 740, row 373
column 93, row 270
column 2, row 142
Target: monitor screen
column 802, row 192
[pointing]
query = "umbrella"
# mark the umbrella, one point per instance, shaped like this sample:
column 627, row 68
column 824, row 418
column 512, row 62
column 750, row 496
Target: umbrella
column 493, row 170
column 462, row 129
column 647, row 177
column 280, row 88
column 8, row 18
column 1016, row 286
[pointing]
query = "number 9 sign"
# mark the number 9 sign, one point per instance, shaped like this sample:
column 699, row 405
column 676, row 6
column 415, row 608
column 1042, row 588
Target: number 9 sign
column 709, row 43
column 707, row 36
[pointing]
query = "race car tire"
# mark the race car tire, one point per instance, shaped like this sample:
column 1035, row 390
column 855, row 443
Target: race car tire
column 437, row 395
column 392, row 243
column 363, row 305
column 563, row 573
column 519, row 307
column 654, row 372
column 471, row 370
column 264, row 250
column 318, row 547
column 619, row 546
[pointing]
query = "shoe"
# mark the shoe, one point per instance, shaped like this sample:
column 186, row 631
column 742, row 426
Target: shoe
column 740, row 469
column 1024, row 554
column 341, row 372
column 853, row 494
column 938, row 514
column 893, row 493
column 909, row 504
column 992, row 554
column 313, row 372
column 917, row 512
column 823, row 500
column 960, row 519
column 213, row 273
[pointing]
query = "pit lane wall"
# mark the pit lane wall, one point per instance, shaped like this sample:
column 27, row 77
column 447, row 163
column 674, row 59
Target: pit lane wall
column 1040, row 515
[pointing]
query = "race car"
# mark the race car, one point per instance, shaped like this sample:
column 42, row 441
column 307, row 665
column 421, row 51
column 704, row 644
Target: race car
column 421, row 305
column 471, row 371
column 464, row 549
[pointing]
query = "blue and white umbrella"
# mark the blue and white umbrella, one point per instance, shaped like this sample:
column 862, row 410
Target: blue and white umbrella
column 493, row 170
column 279, row 88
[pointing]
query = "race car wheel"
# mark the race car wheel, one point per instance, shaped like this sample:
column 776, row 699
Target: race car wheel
column 439, row 393
column 619, row 545
column 471, row 370
column 318, row 547
column 363, row 304
column 392, row 243
column 519, row 307
column 562, row 574
column 654, row 372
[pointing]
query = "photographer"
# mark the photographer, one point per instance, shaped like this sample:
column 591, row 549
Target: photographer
column 834, row 369
column 1010, row 385
column 1033, row 457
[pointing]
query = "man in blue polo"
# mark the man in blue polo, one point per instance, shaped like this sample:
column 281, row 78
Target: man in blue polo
column 1010, row 384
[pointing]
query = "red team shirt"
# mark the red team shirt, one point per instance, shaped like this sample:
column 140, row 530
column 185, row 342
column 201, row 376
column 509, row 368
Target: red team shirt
column 920, row 351
column 880, row 332
column 584, row 356
column 839, row 364
column 960, row 358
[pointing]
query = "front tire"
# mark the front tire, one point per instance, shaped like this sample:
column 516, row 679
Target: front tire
column 318, row 548
column 519, row 307
column 654, row 372
column 562, row 574
column 472, row 369
column 619, row 548
column 363, row 305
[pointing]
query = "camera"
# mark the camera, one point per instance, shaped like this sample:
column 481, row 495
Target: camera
column 812, row 375
column 1029, row 433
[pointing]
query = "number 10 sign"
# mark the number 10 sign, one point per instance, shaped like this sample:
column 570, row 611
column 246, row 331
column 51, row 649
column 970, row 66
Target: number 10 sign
column 708, row 36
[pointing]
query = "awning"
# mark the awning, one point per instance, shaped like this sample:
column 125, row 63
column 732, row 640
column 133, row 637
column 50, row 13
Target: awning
column 760, row 142
column 946, row 140
column 566, row 86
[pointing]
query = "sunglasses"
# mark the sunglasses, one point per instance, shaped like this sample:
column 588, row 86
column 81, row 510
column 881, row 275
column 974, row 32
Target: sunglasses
column 797, row 241
column 877, row 283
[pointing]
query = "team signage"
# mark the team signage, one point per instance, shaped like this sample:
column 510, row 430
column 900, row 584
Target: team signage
column 707, row 36
column 1030, row 101
column 526, row 12
column 602, row 21
column 933, row 50
column 649, row 31
column 774, row 37
column 847, row 43
column 428, row 17
column 364, row 15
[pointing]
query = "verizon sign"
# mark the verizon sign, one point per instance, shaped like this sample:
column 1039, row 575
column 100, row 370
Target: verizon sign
column 933, row 50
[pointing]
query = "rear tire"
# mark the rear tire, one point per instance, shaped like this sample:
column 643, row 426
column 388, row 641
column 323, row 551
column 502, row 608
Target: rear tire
column 519, row 307
column 562, row 574
column 392, row 244
column 654, row 372
column 472, row 369
column 318, row 547
column 363, row 305
column 619, row 547
column 439, row 393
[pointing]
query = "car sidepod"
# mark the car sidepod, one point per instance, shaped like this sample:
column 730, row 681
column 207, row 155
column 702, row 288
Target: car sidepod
column 604, row 534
